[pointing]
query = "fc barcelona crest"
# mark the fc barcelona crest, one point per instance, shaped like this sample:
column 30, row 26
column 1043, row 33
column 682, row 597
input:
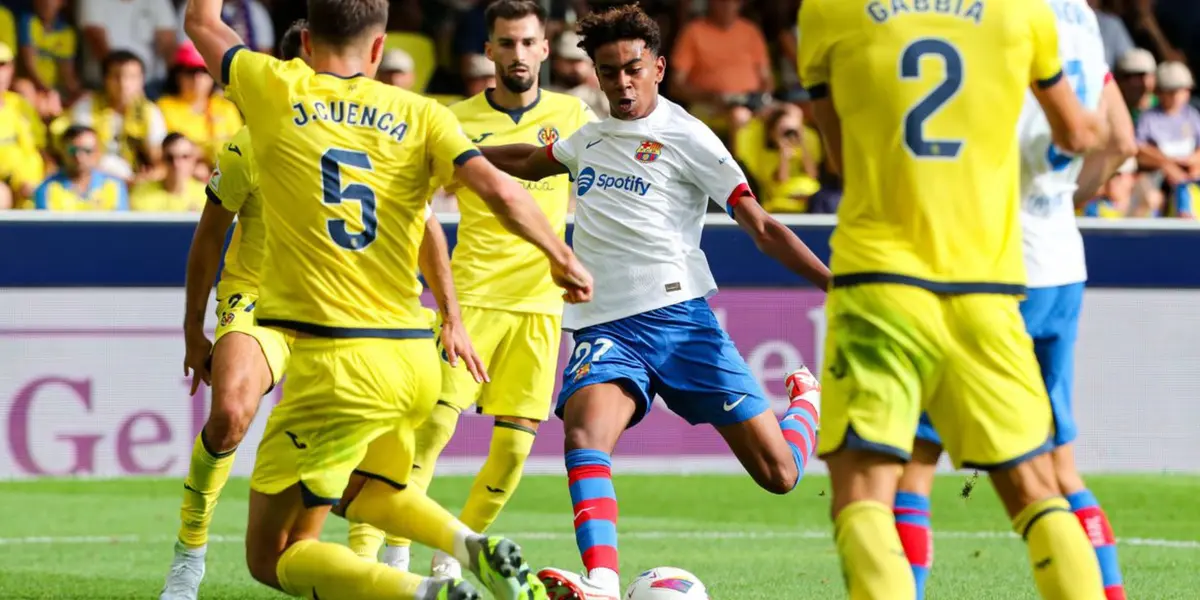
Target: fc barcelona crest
column 648, row 151
column 548, row 135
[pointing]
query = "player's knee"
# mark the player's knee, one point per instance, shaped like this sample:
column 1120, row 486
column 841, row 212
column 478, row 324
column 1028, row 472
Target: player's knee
column 263, row 564
column 779, row 477
column 1065, row 472
column 578, row 438
column 227, row 426
column 1028, row 482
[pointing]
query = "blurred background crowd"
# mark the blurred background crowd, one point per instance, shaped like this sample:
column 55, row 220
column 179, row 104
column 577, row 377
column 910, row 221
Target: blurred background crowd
column 104, row 105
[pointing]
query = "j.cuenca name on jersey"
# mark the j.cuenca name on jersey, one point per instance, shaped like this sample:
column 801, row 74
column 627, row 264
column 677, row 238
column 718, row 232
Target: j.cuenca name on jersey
column 350, row 114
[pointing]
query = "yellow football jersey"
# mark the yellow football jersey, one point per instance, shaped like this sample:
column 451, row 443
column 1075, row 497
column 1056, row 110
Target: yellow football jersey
column 929, row 93
column 350, row 164
column 234, row 185
column 492, row 267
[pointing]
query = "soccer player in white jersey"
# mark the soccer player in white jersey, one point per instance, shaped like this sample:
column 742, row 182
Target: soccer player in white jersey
column 1054, row 261
column 643, row 180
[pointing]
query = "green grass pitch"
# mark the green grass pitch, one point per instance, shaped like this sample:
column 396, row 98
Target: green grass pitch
column 112, row 539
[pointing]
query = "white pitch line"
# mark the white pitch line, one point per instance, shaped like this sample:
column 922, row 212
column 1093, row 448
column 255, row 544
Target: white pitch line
column 635, row 535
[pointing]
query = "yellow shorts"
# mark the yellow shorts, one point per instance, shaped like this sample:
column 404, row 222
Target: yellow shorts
column 520, row 351
column 236, row 314
column 893, row 350
column 348, row 405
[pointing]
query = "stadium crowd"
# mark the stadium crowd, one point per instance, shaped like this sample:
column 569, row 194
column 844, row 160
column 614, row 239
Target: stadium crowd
column 105, row 105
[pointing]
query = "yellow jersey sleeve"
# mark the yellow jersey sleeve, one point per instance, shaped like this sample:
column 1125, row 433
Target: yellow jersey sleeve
column 1047, row 67
column 254, row 81
column 234, row 179
column 447, row 144
column 813, row 48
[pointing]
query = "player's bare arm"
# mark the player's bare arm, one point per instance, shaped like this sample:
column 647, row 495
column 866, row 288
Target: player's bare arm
column 204, row 260
column 434, row 261
column 519, row 213
column 1098, row 167
column 524, row 161
column 830, row 126
column 1073, row 128
column 212, row 37
column 780, row 243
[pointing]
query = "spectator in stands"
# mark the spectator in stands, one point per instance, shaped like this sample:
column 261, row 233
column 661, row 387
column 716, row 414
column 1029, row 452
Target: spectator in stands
column 1115, row 36
column 20, row 161
column 575, row 75
column 478, row 74
column 397, row 69
column 147, row 28
column 79, row 186
column 48, row 48
column 250, row 19
column 130, row 127
column 179, row 191
column 720, row 67
column 782, row 157
column 1169, row 138
column 190, row 106
column 1135, row 77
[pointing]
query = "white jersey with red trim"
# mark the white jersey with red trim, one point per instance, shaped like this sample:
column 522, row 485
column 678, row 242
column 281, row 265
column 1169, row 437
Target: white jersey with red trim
column 1053, row 245
column 642, row 191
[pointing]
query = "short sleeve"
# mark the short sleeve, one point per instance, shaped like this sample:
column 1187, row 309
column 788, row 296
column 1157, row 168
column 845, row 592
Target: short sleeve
column 1046, row 69
column 253, row 80
column 446, row 142
column 710, row 166
column 232, row 180
column 813, row 49
column 683, row 55
column 566, row 151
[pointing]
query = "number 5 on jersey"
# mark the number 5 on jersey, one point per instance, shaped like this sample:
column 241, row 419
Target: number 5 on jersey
column 331, row 182
column 914, row 121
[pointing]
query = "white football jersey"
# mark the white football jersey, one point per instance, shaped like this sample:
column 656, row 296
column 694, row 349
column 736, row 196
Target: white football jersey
column 642, row 190
column 1053, row 245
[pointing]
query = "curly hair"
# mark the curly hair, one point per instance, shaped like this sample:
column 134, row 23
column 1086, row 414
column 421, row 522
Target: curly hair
column 626, row 22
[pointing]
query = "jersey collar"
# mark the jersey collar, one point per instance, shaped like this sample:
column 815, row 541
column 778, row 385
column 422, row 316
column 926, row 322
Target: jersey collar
column 515, row 114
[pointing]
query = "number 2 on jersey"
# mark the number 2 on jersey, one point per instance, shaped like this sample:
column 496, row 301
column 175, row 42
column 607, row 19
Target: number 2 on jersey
column 331, row 183
column 914, row 120
column 1073, row 69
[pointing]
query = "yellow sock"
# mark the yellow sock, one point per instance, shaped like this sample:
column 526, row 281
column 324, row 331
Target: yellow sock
column 501, row 472
column 431, row 438
column 1064, row 562
column 873, row 560
column 410, row 514
column 207, row 474
column 365, row 540
column 313, row 569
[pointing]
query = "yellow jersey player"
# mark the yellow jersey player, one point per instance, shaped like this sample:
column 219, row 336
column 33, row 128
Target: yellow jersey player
column 924, row 97
column 246, row 360
column 511, row 307
column 351, row 160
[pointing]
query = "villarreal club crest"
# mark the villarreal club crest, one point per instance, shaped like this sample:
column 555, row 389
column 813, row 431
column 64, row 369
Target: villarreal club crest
column 648, row 151
column 547, row 135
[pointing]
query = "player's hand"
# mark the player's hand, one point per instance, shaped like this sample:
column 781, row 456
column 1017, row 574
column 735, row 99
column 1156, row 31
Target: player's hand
column 574, row 278
column 198, row 349
column 456, row 344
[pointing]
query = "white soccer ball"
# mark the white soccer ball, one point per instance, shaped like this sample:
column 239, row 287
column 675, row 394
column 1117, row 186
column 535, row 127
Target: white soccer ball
column 666, row 583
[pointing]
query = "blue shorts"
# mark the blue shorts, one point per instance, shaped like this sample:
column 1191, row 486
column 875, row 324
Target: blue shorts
column 1052, row 320
column 678, row 352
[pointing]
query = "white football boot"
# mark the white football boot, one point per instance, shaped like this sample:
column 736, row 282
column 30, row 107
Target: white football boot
column 444, row 565
column 565, row 585
column 187, row 570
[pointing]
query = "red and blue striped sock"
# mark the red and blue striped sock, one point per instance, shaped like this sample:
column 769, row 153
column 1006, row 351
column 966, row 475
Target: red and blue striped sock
column 916, row 535
column 595, row 506
column 1095, row 523
column 799, row 426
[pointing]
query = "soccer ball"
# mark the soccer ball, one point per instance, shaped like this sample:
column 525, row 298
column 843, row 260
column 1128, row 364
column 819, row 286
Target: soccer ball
column 666, row 583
